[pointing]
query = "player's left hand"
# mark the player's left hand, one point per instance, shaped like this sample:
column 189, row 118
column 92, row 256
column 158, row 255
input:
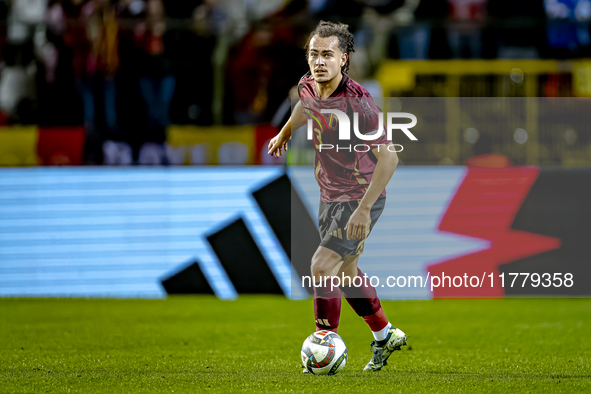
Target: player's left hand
column 278, row 145
column 358, row 225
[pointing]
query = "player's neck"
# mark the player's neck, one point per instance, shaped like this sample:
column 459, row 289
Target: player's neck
column 325, row 89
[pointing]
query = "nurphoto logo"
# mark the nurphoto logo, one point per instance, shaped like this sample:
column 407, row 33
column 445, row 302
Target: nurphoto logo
column 345, row 129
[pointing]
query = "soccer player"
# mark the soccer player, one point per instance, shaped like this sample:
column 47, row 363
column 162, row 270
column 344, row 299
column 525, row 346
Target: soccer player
column 352, row 184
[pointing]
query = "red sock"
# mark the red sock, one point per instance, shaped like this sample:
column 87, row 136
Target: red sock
column 365, row 302
column 377, row 321
column 327, row 308
column 363, row 299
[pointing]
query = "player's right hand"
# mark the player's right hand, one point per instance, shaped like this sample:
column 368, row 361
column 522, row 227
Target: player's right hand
column 277, row 145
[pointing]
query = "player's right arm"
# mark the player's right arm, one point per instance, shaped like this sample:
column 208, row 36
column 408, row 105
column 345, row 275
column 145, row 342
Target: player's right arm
column 279, row 143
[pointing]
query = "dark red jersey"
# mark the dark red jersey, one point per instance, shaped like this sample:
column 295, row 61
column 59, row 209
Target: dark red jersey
column 344, row 171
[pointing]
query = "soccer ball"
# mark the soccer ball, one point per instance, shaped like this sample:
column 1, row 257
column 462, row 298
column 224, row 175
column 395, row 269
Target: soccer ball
column 324, row 353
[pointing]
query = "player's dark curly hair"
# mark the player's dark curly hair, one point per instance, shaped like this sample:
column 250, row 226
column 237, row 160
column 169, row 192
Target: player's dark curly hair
column 341, row 31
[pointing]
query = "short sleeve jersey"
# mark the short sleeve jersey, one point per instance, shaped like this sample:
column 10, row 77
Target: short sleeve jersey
column 344, row 171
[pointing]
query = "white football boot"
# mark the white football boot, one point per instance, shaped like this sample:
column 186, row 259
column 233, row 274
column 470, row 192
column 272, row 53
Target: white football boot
column 383, row 349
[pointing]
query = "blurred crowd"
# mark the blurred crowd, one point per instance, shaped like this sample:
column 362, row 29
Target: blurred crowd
column 127, row 69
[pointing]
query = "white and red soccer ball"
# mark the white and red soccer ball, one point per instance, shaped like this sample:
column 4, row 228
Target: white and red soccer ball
column 324, row 353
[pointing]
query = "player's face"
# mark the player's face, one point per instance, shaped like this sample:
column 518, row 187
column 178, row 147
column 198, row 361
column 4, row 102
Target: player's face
column 325, row 58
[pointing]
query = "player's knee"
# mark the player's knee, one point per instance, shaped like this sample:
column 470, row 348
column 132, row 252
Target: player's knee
column 318, row 268
column 321, row 266
column 324, row 263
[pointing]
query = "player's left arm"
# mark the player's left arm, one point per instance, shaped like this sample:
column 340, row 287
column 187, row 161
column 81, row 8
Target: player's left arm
column 359, row 223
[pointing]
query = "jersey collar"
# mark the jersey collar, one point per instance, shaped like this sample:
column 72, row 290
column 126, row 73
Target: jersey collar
column 339, row 88
column 342, row 85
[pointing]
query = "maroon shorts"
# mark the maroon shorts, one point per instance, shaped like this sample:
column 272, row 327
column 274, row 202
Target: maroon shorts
column 332, row 218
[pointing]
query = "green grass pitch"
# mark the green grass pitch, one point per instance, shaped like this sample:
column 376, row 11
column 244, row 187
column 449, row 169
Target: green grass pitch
column 202, row 344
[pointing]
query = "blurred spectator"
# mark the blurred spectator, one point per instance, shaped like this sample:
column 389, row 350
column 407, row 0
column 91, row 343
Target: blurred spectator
column 18, row 91
column 156, row 81
column 131, row 8
column 465, row 31
column 75, row 39
column 517, row 29
column 190, row 47
column 99, row 90
column 424, row 38
column 208, row 18
column 568, row 27
column 102, row 31
column 55, row 24
column 26, row 22
column 56, row 86
column 264, row 65
column 25, row 36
